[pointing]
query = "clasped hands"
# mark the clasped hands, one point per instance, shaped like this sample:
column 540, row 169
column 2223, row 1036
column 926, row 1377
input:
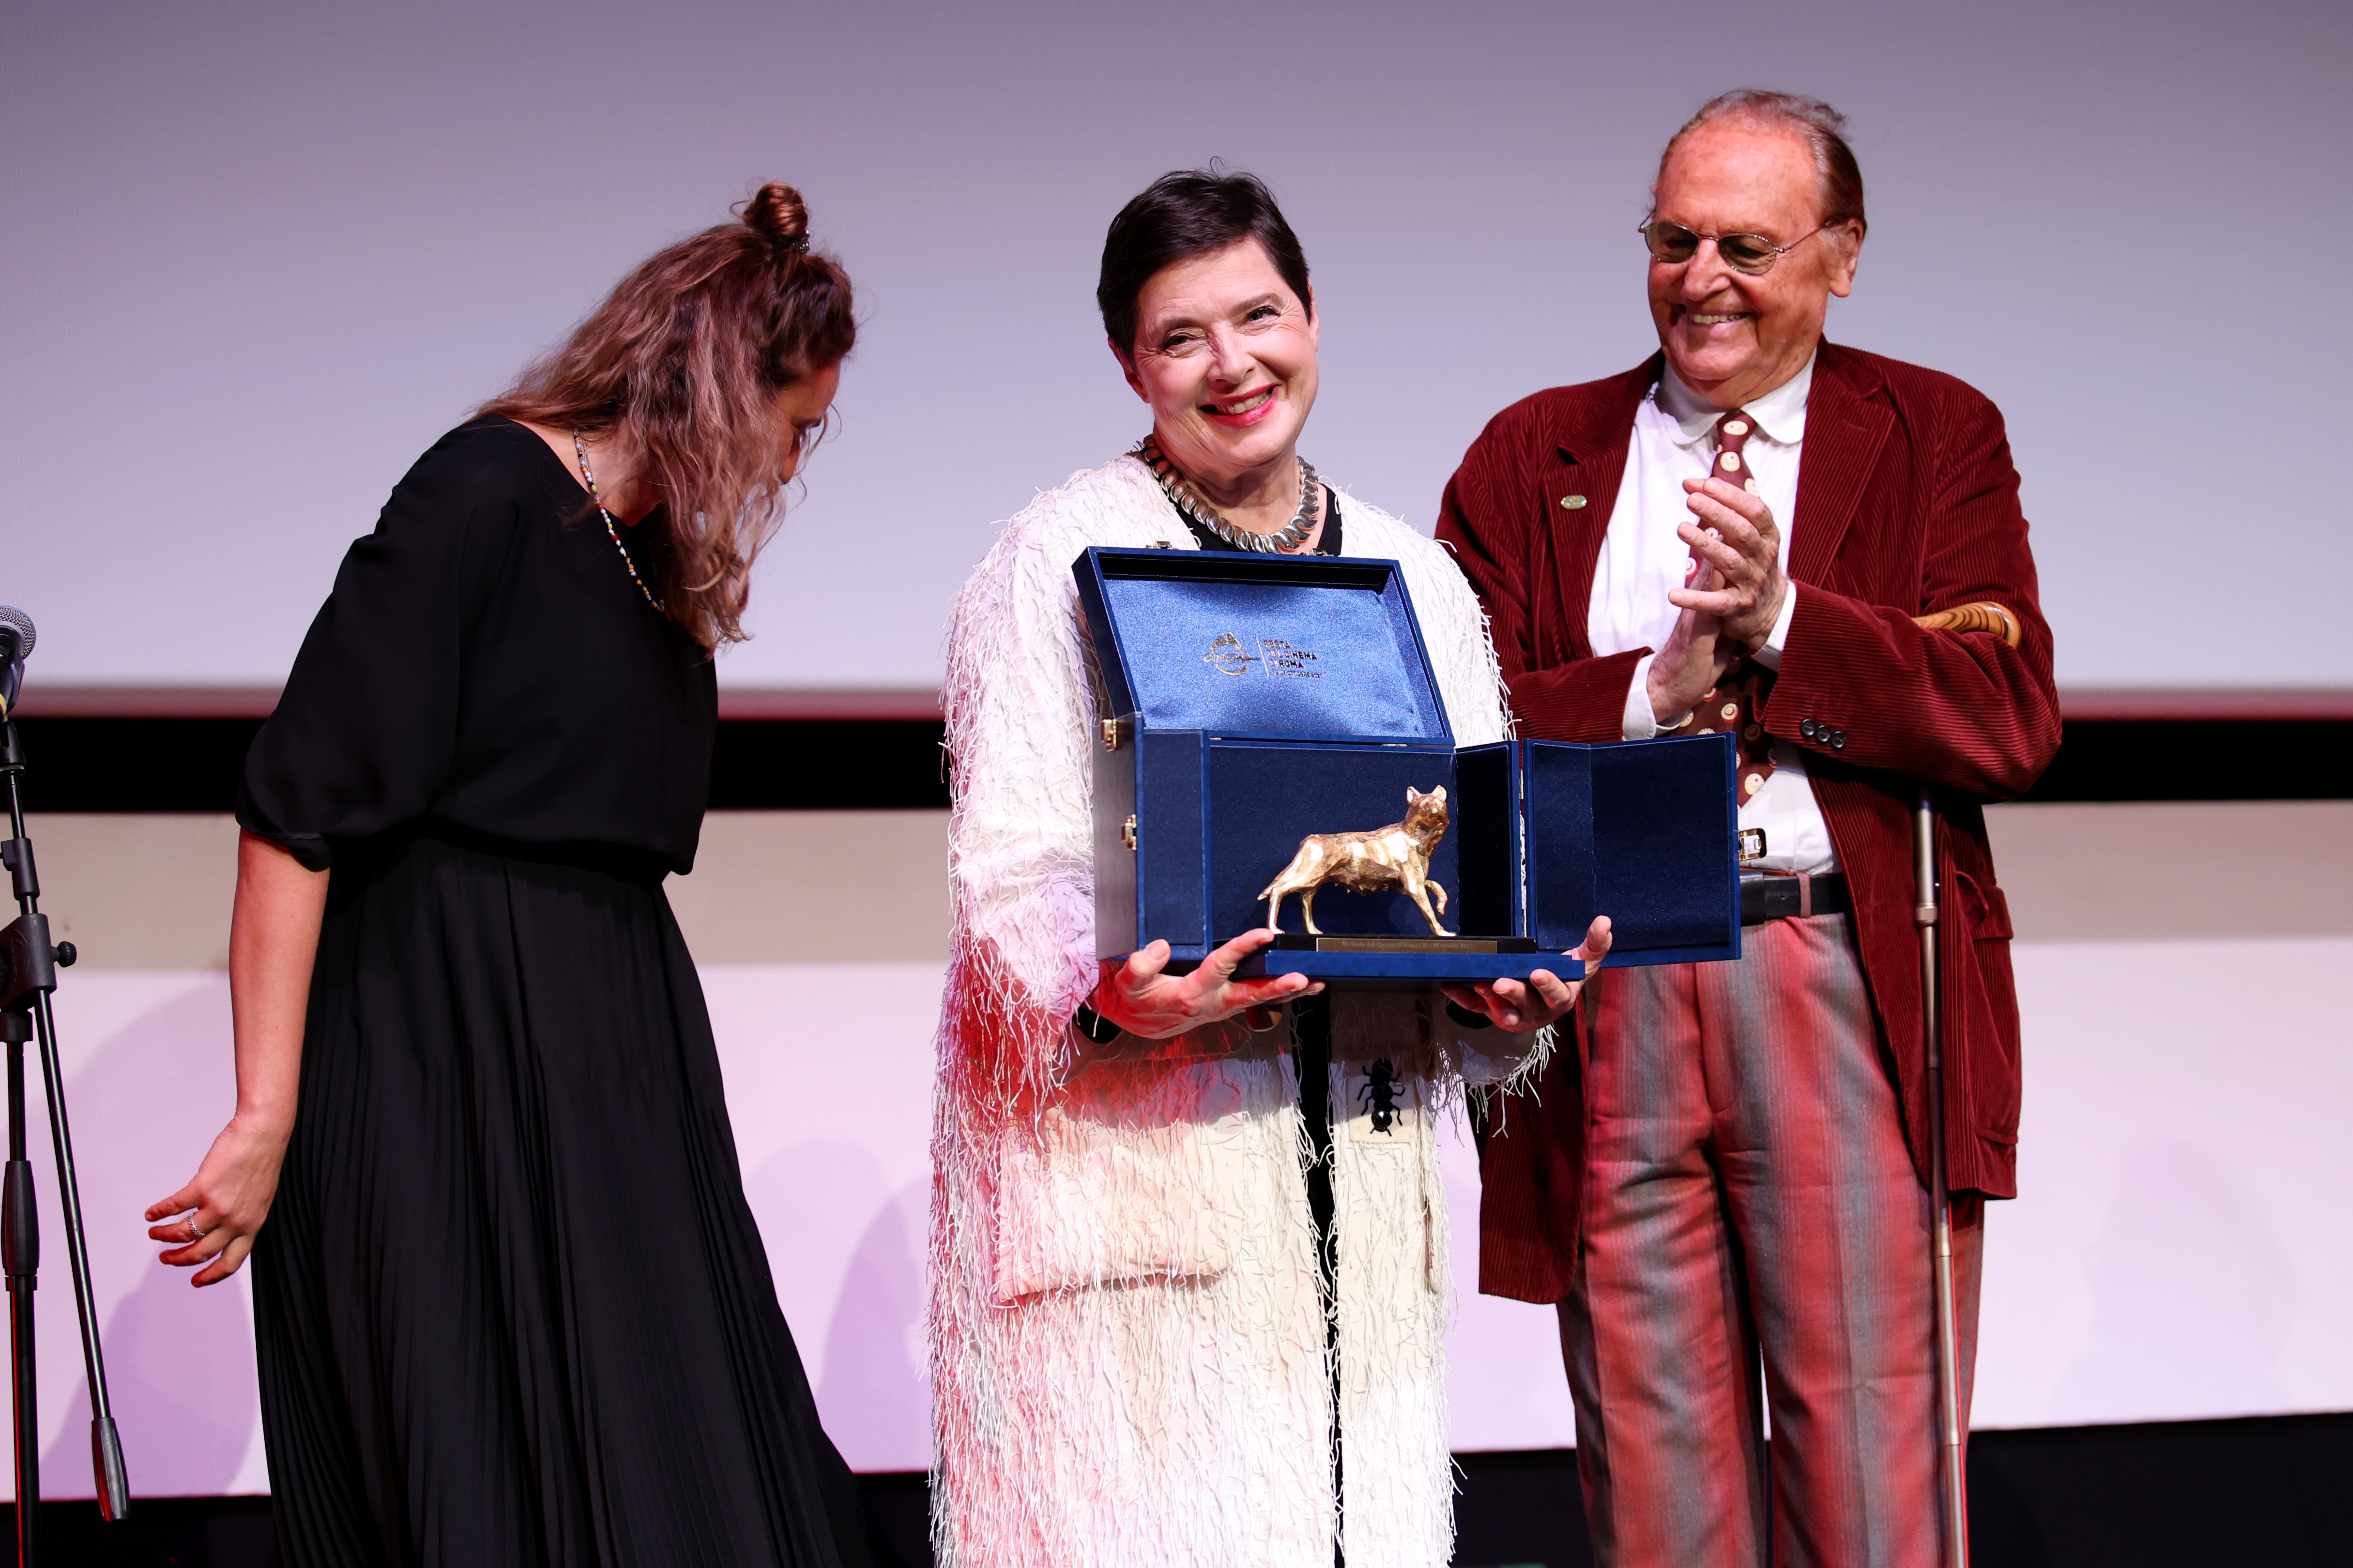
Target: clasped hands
column 1730, row 600
column 1141, row 997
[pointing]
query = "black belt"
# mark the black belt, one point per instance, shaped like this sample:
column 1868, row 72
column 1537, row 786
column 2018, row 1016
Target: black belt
column 1766, row 899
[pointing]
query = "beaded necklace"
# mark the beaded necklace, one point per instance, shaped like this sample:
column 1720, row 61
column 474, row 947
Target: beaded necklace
column 614, row 534
column 1282, row 541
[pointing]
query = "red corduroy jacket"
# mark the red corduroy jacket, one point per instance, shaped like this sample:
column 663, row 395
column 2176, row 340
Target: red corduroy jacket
column 1906, row 504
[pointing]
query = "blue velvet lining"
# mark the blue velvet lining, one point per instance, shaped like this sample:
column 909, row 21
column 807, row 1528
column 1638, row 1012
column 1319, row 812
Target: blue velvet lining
column 1666, row 838
column 1558, row 784
column 1644, row 833
column 1303, row 647
column 1168, row 850
column 1486, row 807
column 1264, row 799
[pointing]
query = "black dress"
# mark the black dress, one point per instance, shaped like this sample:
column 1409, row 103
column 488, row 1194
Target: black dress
column 510, row 1305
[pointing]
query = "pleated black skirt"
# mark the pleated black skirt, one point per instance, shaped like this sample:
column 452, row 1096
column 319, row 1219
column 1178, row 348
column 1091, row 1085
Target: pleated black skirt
column 510, row 1305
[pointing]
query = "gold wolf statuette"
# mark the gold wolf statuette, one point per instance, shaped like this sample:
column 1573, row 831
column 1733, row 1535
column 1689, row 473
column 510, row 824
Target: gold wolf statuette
column 1394, row 857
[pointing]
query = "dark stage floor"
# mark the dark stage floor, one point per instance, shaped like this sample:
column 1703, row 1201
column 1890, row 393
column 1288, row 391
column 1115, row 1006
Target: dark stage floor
column 2262, row 1491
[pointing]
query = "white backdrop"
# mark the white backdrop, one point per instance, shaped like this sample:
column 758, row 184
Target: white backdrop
column 259, row 253
column 2181, row 1249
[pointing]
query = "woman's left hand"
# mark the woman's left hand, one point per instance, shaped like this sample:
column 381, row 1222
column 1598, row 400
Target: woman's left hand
column 213, row 1220
column 1546, row 998
column 273, row 941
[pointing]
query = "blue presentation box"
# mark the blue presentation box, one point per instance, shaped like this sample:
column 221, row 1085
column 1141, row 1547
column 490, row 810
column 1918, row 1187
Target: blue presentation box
column 1262, row 698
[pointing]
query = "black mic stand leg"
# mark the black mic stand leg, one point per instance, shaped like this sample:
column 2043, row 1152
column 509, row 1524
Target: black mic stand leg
column 20, row 1254
column 30, row 975
column 112, row 1480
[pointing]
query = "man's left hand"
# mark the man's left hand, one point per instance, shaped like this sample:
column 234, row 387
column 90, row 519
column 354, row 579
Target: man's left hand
column 1734, row 532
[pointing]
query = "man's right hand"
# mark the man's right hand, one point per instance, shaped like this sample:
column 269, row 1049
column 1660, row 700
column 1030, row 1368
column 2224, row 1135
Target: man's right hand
column 1695, row 657
column 1140, row 999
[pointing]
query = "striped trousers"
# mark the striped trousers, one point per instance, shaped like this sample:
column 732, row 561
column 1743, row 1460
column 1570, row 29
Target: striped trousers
column 1756, row 1241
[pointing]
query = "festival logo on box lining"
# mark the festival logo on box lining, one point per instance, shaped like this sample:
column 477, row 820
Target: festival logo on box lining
column 1280, row 656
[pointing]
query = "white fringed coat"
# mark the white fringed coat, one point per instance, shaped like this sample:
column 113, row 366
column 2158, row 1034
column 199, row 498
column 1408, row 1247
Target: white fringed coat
column 1128, row 1339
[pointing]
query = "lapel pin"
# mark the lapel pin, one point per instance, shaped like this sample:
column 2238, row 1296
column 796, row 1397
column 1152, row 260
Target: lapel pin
column 1572, row 503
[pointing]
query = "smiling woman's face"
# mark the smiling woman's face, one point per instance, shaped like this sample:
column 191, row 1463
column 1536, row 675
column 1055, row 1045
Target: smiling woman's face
column 1225, row 353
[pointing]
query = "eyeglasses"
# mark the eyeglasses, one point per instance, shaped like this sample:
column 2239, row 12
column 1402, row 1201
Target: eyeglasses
column 1750, row 253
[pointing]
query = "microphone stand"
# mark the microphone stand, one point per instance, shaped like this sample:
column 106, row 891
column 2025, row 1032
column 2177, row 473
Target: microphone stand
column 29, row 967
column 1950, row 1453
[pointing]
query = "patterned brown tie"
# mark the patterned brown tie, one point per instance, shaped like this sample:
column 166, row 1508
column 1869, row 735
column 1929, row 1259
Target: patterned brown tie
column 1733, row 706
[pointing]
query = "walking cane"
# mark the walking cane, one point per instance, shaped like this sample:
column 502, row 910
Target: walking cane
column 1948, row 1349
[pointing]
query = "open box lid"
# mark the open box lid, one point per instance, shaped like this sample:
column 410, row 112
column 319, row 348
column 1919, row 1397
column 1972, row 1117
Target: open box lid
column 1285, row 646
column 1645, row 832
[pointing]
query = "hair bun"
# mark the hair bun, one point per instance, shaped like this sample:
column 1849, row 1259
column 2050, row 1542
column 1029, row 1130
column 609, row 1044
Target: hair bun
column 775, row 212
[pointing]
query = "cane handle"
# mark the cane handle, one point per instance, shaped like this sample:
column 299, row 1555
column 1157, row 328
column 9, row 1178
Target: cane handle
column 1982, row 617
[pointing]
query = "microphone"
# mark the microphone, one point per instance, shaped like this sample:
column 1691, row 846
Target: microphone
column 15, row 642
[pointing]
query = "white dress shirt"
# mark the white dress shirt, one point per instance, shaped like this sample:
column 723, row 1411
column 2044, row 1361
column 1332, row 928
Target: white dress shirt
column 1642, row 558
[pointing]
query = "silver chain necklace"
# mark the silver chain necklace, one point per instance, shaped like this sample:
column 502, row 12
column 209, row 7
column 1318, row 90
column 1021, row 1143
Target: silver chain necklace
column 1180, row 495
column 614, row 534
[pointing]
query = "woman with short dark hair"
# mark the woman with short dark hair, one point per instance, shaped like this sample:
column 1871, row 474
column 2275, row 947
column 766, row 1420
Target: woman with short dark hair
column 1134, row 1352
column 510, row 1304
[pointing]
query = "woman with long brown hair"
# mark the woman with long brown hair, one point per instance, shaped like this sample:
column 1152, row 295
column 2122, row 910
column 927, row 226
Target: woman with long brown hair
column 510, row 1305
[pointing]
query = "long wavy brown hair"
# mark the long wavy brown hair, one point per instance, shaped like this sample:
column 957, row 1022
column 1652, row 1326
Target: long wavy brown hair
column 679, row 370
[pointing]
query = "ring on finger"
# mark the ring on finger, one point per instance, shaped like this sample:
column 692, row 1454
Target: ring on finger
column 195, row 1232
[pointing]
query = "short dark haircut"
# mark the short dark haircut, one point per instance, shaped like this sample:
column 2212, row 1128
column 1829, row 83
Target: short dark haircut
column 1823, row 127
column 1184, row 214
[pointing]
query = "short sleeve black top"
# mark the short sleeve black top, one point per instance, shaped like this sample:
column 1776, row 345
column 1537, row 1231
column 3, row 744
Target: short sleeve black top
column 486, row 664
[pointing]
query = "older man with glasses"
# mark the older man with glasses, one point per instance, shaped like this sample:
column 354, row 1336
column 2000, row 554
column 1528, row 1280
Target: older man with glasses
column 1821, row 551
